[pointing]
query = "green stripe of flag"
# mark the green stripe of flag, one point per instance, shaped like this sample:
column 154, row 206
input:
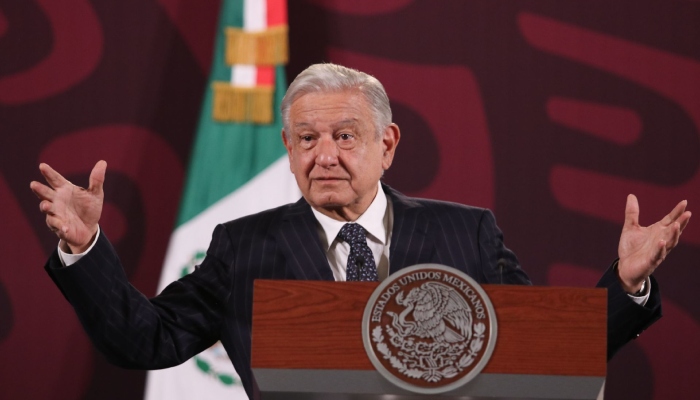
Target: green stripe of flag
column 227, row 155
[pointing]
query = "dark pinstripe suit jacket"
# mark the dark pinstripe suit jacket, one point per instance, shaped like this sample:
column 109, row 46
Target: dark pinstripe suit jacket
column 214, row 302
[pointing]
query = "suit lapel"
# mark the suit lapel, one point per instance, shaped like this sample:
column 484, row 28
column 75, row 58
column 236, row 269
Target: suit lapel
column 410, row 242
column 298, row 238
column 299, row 241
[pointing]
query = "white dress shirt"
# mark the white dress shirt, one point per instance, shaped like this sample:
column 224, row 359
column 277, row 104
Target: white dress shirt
column 377, row 221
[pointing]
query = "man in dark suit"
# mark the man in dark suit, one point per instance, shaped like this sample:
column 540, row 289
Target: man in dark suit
column 340, row 138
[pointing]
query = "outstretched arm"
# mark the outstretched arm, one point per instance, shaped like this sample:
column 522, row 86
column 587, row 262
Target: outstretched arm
column 643, row 248
column 129, row 329
column 72, row 212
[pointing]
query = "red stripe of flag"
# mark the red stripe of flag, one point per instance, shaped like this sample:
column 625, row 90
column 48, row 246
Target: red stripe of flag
column 276, row 15
column 266, row 76
column 276, row 12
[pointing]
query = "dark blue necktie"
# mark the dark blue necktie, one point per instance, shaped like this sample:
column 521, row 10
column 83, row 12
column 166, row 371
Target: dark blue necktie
column 361, row 266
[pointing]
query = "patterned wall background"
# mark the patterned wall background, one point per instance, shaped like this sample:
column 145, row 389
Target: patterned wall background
column 548, row 112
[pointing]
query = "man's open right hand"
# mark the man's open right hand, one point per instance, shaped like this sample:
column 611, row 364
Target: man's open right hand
column 72, row 212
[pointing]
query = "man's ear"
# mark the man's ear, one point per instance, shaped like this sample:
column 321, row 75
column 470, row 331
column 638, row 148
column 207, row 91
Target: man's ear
column 288, row 145
column 392, row 135
column 287, row 142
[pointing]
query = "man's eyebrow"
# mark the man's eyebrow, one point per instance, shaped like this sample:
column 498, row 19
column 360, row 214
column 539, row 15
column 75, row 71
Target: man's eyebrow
column 345, row 122
column 339, row 124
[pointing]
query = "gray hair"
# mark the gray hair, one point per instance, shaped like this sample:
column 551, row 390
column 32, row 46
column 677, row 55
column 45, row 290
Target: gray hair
column 336, row 78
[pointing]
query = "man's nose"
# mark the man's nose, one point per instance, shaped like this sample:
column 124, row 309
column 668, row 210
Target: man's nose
column 326, row 153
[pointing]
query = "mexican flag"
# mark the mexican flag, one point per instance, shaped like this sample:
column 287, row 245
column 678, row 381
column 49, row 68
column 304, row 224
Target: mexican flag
column 238, row 167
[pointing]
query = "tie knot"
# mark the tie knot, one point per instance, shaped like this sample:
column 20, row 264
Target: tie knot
column 353, row 234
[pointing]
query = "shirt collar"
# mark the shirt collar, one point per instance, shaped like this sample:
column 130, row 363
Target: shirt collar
column 372, row 220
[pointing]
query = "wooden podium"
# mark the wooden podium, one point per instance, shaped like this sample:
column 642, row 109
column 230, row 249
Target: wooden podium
column 307, row 344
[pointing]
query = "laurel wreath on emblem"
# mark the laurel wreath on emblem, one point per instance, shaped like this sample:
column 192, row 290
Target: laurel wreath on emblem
column 436, row 312
column 429, row 361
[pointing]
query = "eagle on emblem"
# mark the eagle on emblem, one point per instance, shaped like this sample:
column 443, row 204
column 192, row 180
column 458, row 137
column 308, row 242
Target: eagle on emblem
column 429, row 306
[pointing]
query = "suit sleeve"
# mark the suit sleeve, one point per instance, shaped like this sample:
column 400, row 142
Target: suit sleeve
column 499, row 264
column 133, row 331
column 627, row 319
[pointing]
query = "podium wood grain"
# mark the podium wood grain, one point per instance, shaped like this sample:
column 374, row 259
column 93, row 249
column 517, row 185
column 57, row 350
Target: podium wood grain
column 317, row 325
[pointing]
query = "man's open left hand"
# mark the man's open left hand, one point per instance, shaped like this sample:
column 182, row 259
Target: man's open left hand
column 643, row 248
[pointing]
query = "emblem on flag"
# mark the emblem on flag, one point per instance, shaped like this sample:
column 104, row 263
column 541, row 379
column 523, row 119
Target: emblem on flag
column 238, row 167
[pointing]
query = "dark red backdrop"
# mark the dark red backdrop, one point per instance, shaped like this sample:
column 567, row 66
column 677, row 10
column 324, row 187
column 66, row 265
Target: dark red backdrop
column 548, row 112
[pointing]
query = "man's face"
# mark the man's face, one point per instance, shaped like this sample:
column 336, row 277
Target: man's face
column 334, row 152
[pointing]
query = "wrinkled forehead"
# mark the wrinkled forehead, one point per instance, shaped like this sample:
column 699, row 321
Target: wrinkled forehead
column 346, row 107
column 330, row 94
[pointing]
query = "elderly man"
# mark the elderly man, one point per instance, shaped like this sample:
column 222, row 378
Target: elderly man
column 348, row 226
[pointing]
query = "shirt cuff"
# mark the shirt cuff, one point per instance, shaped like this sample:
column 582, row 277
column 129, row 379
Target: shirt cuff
column 644, row 297
column 68, row 259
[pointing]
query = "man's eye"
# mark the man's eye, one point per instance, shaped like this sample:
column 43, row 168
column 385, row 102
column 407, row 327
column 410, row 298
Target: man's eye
column 306, row 138
column 345, row 136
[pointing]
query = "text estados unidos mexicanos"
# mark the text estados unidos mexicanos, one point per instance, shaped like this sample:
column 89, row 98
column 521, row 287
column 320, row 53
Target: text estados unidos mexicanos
column 428, row 276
